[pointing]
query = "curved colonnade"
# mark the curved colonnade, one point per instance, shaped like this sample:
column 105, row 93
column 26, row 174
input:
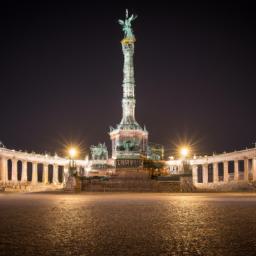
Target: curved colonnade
column 21, row 168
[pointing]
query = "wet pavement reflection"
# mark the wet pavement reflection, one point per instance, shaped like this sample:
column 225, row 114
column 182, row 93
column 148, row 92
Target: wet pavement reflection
column 128, row 224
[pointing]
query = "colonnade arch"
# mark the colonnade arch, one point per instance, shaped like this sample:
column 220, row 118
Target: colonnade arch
column 40, row 170
column 210, row 173
column 29, row 171
column 19, row 170
column 9, row 169
column 50, row 173
column 60, row 173
column 200, row 173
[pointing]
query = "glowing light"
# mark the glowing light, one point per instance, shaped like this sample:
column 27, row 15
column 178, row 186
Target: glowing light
column 72, row 152
column 184, row 151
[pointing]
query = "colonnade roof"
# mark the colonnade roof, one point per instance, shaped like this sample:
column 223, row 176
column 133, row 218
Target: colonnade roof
column 32, row 157
column 230, row 156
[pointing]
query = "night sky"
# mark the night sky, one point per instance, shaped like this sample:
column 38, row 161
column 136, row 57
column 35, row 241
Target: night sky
column 61, row 73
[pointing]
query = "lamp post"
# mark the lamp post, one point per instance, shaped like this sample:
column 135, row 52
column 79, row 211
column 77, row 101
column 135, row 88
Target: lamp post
column 184, row 152
column 72, row 165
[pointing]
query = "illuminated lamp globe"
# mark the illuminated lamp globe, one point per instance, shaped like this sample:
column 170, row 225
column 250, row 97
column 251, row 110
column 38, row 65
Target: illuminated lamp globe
column 72, row 152
column 184, row 151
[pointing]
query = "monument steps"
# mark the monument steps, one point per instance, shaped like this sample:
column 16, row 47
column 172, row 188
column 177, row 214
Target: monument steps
column 134, row 183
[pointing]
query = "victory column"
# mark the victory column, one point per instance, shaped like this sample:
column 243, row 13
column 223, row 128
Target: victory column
column 129, row 140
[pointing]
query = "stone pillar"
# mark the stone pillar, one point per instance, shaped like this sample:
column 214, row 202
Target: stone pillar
column 55, row 174
column 65, row 174
column 254, row 169
column 205, row 173
column 3, row 170
column 24, row 174
column 45, row 174
column 215, row 173
column 34, row 173
column 236, row 173
column 246, row 170
column 14, row 170
column 225, row 173
column 194, row 174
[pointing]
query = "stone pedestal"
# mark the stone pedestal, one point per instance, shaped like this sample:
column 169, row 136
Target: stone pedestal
column 73, row 184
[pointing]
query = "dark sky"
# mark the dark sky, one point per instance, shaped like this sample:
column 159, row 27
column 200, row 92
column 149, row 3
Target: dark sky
column 61, row 73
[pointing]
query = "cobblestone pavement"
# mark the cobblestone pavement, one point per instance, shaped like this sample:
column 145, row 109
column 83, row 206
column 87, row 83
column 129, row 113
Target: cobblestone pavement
column 128, row 224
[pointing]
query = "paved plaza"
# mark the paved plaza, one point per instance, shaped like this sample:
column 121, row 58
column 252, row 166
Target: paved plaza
column 128, row 224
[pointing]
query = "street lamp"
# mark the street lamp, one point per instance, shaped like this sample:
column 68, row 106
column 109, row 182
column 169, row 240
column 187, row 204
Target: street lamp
column 184, row 152
column 72, row 154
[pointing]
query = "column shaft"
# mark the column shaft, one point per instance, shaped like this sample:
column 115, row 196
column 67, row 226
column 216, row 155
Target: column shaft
column 236, row 173
column 55, row 174
column 45, row 174
column 225, row 171
column 65, row 174
column 254, row 168
column 194, row 174
column 3, row 170
column 246, row 171
column 215, row 173
column 24, row 176
column 14, row 170
column 34, row 174
column 205, row 173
